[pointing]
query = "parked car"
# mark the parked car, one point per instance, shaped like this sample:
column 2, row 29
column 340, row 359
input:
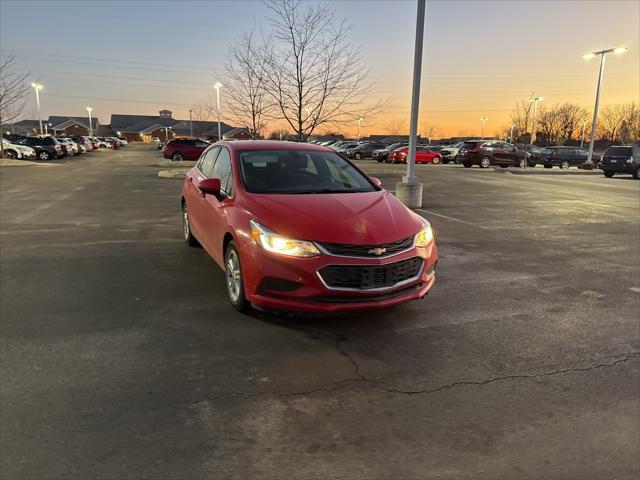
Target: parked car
column 342, row 146
column 423, row 155
column 84, row 141
column 565, row 157
column 46, row 147
column 382, row 154
column 532, row 150
column 363, row 150
column 493, row 152
column 284, row 221
column 450, row 153
column 185, row 149
column 155, row 139
column 18, row 152
column 67, row 146
column 123, row 141
column 621, row 159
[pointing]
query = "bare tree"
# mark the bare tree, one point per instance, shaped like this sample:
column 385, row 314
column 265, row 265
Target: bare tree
column 279, row 134
column 201, row 113
column 397, row 126
column 429, row 131
column 13, row 92
column 633, row 122
column 611, row 119
column 245, row 82
column 312, row 73
column 549, row 123
column 521, row 117
column 571, row 117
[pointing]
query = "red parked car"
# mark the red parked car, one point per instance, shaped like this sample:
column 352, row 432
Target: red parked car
column 185, row 149
column 297, row 227
column 423, row 155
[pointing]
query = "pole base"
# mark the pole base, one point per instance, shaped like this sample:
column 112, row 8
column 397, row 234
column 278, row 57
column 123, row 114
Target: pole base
column 409, row 193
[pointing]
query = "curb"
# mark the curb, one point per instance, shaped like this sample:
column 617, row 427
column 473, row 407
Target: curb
column 171, row 164
column 173, row 173
column 548, row 172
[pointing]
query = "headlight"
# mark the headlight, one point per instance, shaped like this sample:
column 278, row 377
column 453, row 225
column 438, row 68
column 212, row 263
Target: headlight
column 274, row 243
column 425, row 236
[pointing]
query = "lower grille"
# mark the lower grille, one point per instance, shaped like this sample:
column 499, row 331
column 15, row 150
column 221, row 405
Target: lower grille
column 364, row 277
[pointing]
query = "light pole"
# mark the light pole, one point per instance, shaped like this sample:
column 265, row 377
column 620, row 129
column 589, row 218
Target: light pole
column 483, row 119
column 409, row 190
column 191, row 123
column 511, row 134
column 533, row 121
column 90, row 122
column 217, row 87
column 603, row 54
column 360, row 119
column 584, row 125
column 37, row 87
column 166, row 133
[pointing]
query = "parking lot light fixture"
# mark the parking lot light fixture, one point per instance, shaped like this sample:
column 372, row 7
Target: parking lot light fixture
column 483, row 119
column 409, row 190
column 594, row 125
column 584, row 126
column 533, row 121
column 89, row 109
column 217, row 86
column 37, row 87
column 360, row 119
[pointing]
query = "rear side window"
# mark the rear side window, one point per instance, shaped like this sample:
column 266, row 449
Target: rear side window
column 618, row 152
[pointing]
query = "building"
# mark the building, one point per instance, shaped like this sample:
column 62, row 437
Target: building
column 58, row 125
column 23, row 127
column 143, row 128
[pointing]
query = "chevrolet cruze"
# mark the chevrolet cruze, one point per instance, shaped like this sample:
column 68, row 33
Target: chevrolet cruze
column 297, row 227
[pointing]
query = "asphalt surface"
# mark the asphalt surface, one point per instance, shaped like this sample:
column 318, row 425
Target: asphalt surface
column 120, row 357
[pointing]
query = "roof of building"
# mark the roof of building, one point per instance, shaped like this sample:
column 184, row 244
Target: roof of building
column 235, row 131
column 59, row 122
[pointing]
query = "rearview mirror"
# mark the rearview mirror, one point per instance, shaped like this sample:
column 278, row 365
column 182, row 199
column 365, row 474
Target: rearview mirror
column 210, row 186
column 376, row 181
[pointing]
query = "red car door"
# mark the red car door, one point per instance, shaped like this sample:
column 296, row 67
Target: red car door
column 193, row 196
column 422, row 155
column 214, row 208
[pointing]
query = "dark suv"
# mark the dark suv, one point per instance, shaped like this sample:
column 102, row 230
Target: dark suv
column 492, row 152
column 621, row 159
column 363, row 150
column 185, row 149
column 565, row 157
column 46, row 147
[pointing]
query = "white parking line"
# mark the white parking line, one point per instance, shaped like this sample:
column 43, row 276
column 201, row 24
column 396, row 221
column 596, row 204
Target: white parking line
column 452, row 219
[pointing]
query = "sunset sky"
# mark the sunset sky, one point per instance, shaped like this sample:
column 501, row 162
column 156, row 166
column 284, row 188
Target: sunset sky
column 480, row 56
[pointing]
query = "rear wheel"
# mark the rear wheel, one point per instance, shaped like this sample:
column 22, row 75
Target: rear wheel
column 358, row 156
column 177, row 157
column 436, row 160
column 44, row 155
column 10, row 154
column 233, row 277
column 186, row 228
column 485, row 162
column 564, row 165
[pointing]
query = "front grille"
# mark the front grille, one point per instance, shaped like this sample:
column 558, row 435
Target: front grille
column 374, row 251
column 363, row 277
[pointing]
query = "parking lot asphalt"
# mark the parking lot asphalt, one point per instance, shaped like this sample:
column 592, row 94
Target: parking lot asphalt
column 121, row 358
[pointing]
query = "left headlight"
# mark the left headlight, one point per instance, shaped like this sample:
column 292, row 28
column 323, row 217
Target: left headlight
column 425, row 236
column 275, row 243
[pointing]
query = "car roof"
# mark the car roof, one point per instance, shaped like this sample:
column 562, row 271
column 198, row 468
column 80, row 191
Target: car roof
column 272, row 145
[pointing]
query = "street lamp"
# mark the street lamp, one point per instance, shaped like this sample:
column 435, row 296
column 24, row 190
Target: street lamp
column 511, row 134
column 217, row 86
column 166, row 133
column 533, row 123
column 584, row 126
column 360, row 119
column 37, row 87
column 588, row 56
column 483, row 119
column 90, row 123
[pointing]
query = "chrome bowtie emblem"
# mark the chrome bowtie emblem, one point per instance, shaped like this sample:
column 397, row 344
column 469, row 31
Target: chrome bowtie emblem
column 377, row 251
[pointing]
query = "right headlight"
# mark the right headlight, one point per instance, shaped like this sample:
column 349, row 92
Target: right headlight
column 275, row 243
column 425, row 236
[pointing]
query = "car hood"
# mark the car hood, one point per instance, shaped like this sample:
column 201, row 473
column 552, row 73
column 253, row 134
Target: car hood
column 369, row 218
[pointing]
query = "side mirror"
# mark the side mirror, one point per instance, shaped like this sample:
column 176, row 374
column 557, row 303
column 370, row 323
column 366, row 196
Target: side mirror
column 376, row 181
column 210, row 186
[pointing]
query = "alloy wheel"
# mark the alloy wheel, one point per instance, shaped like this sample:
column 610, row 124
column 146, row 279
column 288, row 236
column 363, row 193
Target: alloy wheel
column 564, row 165
column 185, row 223
column 234, row 279
column 485, row 162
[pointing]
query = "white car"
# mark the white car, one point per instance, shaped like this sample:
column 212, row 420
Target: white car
column 20, row 152
column 450, row 154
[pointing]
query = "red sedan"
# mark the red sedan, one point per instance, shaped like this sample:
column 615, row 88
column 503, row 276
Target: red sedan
column 297, row 227
column 185, row 149
column 423, row 155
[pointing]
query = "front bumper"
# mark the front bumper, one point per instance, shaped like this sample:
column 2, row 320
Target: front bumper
column 273, row 282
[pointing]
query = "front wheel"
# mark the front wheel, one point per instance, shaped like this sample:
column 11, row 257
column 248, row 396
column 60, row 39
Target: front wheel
column 186, row 228
column 436, row 160
column 564, row 165
column 10, row 154
column 43, row 156
column 233, row 277
column 485, row 162
column 358, row 156
column 177, row 157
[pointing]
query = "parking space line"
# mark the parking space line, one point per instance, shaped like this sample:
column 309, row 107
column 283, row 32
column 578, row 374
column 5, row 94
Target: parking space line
column 452, row 219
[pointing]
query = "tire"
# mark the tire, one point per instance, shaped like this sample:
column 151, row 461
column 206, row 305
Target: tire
column 233, row 278
column 177, row 157
column 436, row 160
column 635, row 174
column 467, row 165
column 358, row 156
column 485, row 162
column 564, row 165
column 44, row 155
column 10, row 154
column 186, row 228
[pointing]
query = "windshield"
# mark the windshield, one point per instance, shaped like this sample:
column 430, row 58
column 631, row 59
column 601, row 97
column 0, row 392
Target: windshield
column 299, row 171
